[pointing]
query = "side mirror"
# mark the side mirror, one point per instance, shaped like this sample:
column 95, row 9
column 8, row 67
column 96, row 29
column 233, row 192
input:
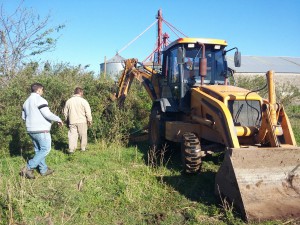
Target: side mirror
column 180, row 55
column 237, row 59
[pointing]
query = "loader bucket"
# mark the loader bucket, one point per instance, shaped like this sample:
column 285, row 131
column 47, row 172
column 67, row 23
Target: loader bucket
column 263, row 183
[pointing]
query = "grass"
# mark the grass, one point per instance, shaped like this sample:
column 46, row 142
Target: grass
column 105, row 185
column 112, row 184
column 294, row 116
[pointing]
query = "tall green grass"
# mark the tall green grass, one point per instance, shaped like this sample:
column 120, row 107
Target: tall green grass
column 293, row 112
column 105, row 185
column 111, row 184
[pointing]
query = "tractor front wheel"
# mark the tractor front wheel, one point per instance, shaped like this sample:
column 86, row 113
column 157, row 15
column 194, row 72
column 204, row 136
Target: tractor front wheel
column 191, row 153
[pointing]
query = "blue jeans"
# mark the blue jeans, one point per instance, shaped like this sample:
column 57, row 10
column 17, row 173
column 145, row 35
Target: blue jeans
column 42, row 147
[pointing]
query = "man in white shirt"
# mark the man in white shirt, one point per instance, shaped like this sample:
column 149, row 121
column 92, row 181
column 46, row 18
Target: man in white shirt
column 38, row 117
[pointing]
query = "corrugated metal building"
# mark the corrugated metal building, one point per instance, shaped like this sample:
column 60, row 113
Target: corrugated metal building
column 287, row 69
column 261, row 64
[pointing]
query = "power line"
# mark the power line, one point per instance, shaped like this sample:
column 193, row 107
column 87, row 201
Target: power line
column 126, row 46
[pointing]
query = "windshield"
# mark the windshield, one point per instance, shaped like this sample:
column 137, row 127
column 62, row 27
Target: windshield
column 215, row 66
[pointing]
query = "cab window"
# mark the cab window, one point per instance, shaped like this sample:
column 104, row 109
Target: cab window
column 173, row 72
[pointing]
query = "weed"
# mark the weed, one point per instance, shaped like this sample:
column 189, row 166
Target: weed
column 156, row 157
column 227, row 209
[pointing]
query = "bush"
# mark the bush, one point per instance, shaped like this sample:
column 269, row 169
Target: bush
column 286, row 93
column 60, row 81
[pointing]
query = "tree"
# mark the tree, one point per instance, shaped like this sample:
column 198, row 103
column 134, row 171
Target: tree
column 23, row 34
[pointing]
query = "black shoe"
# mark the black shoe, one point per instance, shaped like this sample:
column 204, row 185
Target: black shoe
column 48, row 172
column 25, row 172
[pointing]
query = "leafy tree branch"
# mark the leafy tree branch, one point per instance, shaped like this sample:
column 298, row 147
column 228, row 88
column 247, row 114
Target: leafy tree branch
column 23, row 34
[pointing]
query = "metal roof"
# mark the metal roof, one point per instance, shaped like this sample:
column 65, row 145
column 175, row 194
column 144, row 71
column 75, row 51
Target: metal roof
column 261, row 64
column 116, row 59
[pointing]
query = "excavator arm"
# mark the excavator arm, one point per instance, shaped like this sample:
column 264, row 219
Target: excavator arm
column 145, row 75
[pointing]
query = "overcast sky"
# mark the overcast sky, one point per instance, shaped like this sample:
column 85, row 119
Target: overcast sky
column 95, row 29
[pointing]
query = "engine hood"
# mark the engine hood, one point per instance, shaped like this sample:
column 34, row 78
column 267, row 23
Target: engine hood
column 226, row 92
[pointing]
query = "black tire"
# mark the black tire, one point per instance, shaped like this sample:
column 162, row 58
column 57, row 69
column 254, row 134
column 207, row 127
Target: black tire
column 191, row 153
column 156, row 138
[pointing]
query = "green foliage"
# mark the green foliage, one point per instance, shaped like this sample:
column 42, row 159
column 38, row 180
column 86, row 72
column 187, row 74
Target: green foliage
column 23, row 34
column 253, row 83
column 139, row 101
column 286, row 93
column 60, row 81
column 110, row 184
column 293, row 112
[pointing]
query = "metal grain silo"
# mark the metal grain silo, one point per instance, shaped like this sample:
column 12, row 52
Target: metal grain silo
column 112, row 67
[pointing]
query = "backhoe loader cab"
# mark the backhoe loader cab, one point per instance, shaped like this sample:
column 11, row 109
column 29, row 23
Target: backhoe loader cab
column 191, row 62
column 194, row 105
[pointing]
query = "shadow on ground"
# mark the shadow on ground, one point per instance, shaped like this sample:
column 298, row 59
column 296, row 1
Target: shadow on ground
column 196, row 187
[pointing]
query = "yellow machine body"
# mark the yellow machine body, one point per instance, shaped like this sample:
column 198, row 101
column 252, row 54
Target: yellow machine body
column 194, row 104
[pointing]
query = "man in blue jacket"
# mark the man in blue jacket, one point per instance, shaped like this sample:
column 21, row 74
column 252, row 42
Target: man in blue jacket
column 38, row 117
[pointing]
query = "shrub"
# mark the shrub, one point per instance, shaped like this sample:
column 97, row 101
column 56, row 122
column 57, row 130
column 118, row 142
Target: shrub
column 286, row 93
column 60, row 81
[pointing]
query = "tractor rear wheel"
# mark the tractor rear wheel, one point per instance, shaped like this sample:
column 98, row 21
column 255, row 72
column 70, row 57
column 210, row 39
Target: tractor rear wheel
column 191, row 153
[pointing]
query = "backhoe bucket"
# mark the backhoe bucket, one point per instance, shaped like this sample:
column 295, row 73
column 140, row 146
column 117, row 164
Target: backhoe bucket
column 263, row 183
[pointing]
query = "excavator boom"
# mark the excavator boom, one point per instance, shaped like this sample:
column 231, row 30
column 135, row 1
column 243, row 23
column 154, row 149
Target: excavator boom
column 145, row 75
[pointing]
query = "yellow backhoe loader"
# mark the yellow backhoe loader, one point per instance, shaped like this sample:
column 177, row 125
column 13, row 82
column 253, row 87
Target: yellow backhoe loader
column 194, row 104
